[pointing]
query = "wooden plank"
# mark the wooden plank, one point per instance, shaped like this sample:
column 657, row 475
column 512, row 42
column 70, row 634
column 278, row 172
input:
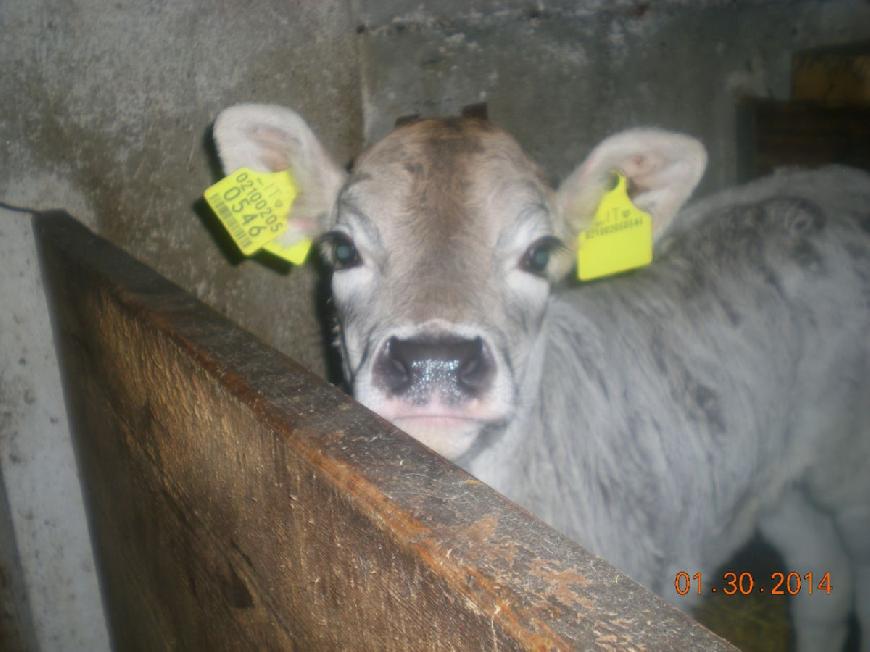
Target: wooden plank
column 239, row 502
column 794, row 133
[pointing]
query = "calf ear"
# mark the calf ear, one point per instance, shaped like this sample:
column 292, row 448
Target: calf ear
column 662, row 168
column 271, row 138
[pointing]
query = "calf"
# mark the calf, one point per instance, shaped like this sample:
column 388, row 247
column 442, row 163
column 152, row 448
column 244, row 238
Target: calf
column 659, row 417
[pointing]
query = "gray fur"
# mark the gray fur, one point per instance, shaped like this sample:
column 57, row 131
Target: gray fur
column 677, row 405
column 659, row 417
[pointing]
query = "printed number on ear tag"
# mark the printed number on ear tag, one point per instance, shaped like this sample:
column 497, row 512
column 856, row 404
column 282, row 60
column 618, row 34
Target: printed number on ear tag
column 619, row 239
column 254, row 208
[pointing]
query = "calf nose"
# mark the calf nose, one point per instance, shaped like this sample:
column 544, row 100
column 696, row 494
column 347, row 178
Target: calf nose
column 416, row 368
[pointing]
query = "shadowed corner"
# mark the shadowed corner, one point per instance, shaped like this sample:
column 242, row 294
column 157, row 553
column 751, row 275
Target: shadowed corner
column 17, row 631
column 218, row 234
column 207, row 218
column 327, row 319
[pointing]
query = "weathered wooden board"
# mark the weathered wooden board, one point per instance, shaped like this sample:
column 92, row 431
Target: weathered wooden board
column 239, row 502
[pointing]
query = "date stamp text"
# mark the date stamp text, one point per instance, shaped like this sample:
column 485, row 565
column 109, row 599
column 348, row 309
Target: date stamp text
column 744, row 583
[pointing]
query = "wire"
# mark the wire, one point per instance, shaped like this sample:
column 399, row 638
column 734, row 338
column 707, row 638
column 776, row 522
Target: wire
column 18, row 209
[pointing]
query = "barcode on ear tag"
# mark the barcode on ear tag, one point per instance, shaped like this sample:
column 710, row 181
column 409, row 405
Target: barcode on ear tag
column 619, row 239
column 253, row 206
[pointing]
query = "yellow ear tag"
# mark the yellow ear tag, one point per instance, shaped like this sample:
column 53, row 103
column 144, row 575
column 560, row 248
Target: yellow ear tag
column 619, row 239
column 295, row 253
column 254, row 208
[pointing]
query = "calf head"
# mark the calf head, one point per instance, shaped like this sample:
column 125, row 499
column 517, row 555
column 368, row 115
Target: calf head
column 445, row 241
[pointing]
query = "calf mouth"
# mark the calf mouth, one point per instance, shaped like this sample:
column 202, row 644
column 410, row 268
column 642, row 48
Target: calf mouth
column 437, row 412
column 449, row 436
column 448, row 429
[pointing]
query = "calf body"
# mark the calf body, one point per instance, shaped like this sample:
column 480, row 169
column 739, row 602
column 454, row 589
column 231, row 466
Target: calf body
column 703, row 394
column 659, row 417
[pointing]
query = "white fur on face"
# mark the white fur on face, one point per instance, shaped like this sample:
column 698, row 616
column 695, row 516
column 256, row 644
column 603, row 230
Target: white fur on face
column 441, row 226
column 371, row 304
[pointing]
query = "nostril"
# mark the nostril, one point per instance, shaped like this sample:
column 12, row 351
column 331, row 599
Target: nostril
column 397, row 371
column 473, row 368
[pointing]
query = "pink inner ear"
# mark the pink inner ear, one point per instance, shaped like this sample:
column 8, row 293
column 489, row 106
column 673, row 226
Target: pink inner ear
column 304, row 224
column 274, row 147
column 635, row 168
column 641, row 170
column 274, row 160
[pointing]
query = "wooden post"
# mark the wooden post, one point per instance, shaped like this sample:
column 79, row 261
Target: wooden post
column 236, row 501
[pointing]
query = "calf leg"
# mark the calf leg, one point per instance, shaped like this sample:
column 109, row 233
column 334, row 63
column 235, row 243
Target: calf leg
column 809, row 542
column 854, row 526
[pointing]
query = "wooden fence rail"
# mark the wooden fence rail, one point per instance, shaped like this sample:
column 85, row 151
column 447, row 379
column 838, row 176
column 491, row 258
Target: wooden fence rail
column 236, row 501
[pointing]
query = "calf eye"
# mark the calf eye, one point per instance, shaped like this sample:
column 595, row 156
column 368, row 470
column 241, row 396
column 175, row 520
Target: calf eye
column 342, row 252
column 537, row 256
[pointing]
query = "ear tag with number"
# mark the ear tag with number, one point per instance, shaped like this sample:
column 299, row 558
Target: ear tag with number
column 295, row 253
column 254, row 208
column 619, row 239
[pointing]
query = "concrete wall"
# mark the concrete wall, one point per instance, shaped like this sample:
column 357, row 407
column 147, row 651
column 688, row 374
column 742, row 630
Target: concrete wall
column 105, row 110
column 52, row 598
column 107, row 107
column 562, row 75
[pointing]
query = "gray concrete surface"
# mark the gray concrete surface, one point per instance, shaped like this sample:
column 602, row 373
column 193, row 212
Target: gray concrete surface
column 114, row 101
column 561, row 76
column 53, row 600
column 16, row 626
column 105, row 109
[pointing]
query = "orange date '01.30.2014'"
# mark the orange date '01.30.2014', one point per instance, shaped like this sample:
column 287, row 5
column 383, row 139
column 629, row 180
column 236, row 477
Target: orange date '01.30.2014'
column 744, row 583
